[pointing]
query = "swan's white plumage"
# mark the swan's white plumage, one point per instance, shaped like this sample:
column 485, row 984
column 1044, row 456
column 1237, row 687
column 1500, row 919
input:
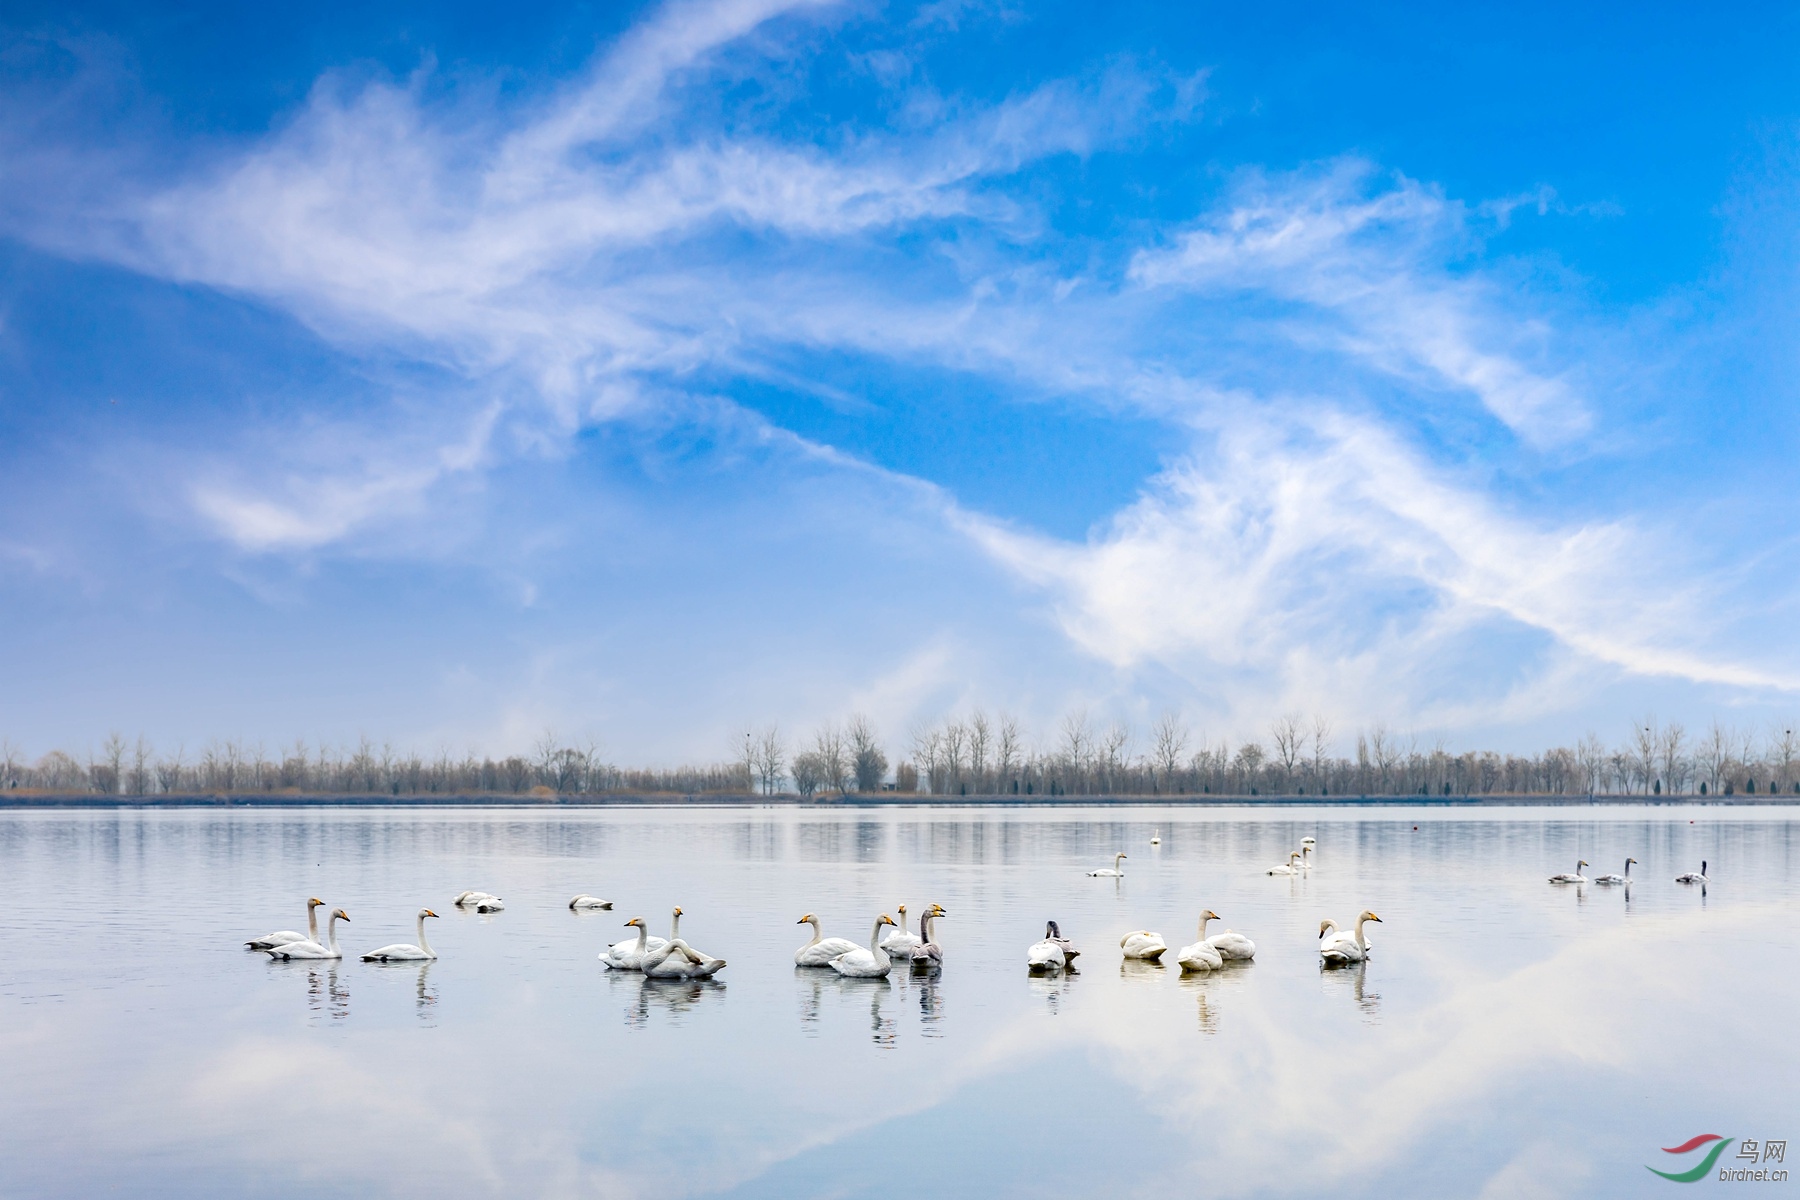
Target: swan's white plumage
column 1574, row 876
column 312, row 949
column 900, row 942
column 1342, row 948
column 1112, row 872
column 1694, row 876
column 1230, row 944
column 586, row 901
column 1617, row 879
column 1054, row 953
column 400, row 951
column 283, row 937
column 1288, row 868
column 870, row 963
column 629, row 956
column 821, row 950
column 1141, row 943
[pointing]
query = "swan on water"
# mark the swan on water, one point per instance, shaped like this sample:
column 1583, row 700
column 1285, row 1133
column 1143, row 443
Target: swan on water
column 1054, row 953
column 480, row 901
column 678, row 960
column 1309, row 842
column 1202, row 955
column 704, row 964
column 1694, row 876
column 1230, row 944
column 1345, row 948
column 1574, row 876
column 928, row 954
column 1156, row 837
column 1305, row 857
column 629, row 956
column 872, row 963
column 1112, row 872
column 900, row 943
column 586, row 901
column 1287, row 868
column 1141, row 943
column 821, row 950
column 282, row 937
column 313, row 949
column 401, row 952
column 1625, row 878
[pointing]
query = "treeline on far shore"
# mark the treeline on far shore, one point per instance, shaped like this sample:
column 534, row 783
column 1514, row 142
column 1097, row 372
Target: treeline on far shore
column 973, row 755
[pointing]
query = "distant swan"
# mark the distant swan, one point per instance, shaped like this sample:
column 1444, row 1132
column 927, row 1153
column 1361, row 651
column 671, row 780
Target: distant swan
column 1112, row 872
column 872, row 963
column 1202, row 955
column 1625, row 878
column 1054, row 953
column 1141, row 943
column 480, row 902
column 629, row 956
column 313, row 949
column 1156, row 837
column 821, row 950
column 1694, row 876
column 282, row 937
column 1230, row 944
column 1343, row 948
column 401, row 951
column 900, row 943
column 586, row 901
column 1306, row 856
column 928, row 954
column 1574, row 876
column 1287, row 868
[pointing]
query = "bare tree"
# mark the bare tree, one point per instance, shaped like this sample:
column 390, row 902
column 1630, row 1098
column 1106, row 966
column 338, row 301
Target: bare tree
column 746, row 758
column 771, row 760
column 1077, row 748
column 139, row 780
column 1168, row 744
column 1286, row 733
column 927, row 747
column 1009, row 751
column 1784, row 747
column 833, row 762
column 867, row 761
column 1590, row 760
column 1321, row 740
column 981, row 737
column 809, row 773
column 1114, row 754
column 1384, row 753
column 1671, row 756
column 1714, row 756
column 12, row 763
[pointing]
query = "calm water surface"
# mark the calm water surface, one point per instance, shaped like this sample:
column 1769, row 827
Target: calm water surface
column 1509, row 1039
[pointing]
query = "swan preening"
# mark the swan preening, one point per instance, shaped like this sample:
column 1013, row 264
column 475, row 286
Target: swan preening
column 927, row 954
column 312, row 949
column 1202, row 955
column 283, row 937
column 480, row 901
column 1694, row 876
column 1230, row 944
column 1290, row 867
column 821, row 950
column 872, row 963
column 1337, row 947
column 1625, row 878
column 1574, row 876
column 586, row 901
column 1054, row 953
column 1141, row 943
column 1112, row 872
column 401, row 952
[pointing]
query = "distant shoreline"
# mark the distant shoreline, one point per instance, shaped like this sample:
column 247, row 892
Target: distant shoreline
column 78, row 800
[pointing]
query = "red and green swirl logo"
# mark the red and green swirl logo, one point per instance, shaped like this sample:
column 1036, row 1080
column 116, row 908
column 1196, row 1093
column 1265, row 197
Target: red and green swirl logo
column 1719, row 1142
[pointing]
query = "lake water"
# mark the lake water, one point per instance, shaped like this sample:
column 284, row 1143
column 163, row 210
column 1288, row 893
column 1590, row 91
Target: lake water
column 1509, row 1038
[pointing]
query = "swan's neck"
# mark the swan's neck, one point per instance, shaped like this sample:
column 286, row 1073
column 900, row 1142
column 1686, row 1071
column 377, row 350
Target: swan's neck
column 903, row 921
column 423, row 944
column 817, row 936
column 1361, row 941
column 312, row 922
column 1117, row 859
column 925, row 928
column 1330, row 926
column 1628, row 868
column 674, row 926
column 1203, row 921
column 875, row 945
column 331, row 931
column 643, row 938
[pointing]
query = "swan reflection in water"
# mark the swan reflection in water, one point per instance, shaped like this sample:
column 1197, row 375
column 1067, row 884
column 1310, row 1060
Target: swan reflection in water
column 1354, row 979
column 425, row 997
column 815, row 986
column 325, row 993
column 931, row 1009
column 1142, row 970
column 673, row 997
column 1053, row 986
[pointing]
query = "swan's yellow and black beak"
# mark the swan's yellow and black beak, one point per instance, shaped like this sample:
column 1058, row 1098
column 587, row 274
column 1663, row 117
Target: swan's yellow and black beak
column 678, row 910
column 429, row 913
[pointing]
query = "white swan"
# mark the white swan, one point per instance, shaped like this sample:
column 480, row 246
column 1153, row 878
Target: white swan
column 821, row 950
column 586, row 901
column 1309, row 842
column 313, row 949
column 1694, row 876
column 1343, row 948
column 1305, row 857
column 1141, row 943
column 705, row 964
column 678, row 960
column 1156, row 837
column 1202, row 955
column 928, row 954
column 1054, row 953
column 1112, row 872
column 872, row 963
column 282, row 937
column 1230, row 944
column 1574, row 876
column 1287, row 868
column 480, row 902
column 401, row 952
column 1625, row 878
column 629, row 956
column 900, row 943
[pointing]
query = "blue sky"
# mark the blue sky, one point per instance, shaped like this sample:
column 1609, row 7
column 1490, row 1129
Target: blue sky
column 649, row 371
